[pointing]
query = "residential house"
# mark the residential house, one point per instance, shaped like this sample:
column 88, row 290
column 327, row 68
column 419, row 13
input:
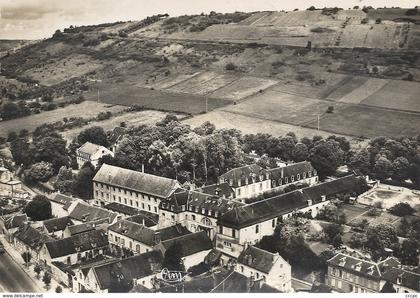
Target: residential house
column 195, row 210
column 116, row 136
column 247, row 181
column 138, row 238
column 136, row 270
column 131, row 188
column 83, row 213
column 350, row 274
column 100, row 224
column 247, row 224
column 272, row 269
column 403, row 280
column 145, row 218
column 9, row 185
column 90, row 152
column 31, row 240
column 221, row 190
column 11, row 223
column 84, row 246
column 296, row 173
column 195, row 247
column 55, row 226
column 60, row 204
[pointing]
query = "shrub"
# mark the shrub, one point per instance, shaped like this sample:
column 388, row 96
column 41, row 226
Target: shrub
column 373, row 212
column 401, row 209
column 58, row 289
column 12, row 136
column 378, row 21
column 365, row 21
column 230, row 66
column 330, row 109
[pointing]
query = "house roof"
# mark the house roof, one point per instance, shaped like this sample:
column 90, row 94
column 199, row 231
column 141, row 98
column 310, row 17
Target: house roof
column 120, row 208
column 247, row 215
column 57, row 224
column 145, row 235
column 145, row 218
column 191, row 243
column 258, row 259
column 240, row 174
column 62, row 199
column 77, row 243
column 131, row 268
column 290, row 170
column 355, row 265
column 31, row 237
column 116, row 134
column 90, row 148
column 86, row 213
column 218, row 189
column 88, row 226
column 403, row 277
column 14, row 221
column 145, row 183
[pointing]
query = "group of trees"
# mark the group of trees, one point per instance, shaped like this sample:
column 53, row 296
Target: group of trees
column 39, row 208
column 384, row 158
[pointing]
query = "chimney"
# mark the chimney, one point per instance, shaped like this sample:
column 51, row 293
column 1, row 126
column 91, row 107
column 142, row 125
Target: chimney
column 323, row 198
column 282, row 173
column 157, row 238
column 142, row 167
column 309, row 202
column 250, row 283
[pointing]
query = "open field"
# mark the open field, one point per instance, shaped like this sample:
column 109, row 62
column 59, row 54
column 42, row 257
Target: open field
column 369, row 122
column 129, row 94
column 252, row 125
column 131, row 119
column 85, row 109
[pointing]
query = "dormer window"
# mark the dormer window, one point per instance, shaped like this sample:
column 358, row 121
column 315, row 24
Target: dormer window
column 298, row 177
column 261, row 177
column 246, row 180
column 342, row 261
column 239, row 182
column 230, row 182
column 293, row 178
column 304, row 175
column 309, row 174
column 399, row 279
column 286, row 180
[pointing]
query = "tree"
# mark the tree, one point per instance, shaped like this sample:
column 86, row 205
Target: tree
column 58, row 289
column 95, row 135
column 37, row 269
column 46, row 279
column 331, row 233
column 9, row 110
column 205, row 129
column 400, row 169
column 409, row 252
column 300, row 152
column 21, row 152
column 83, row 185
column 311, row 8
column 402, row 209
column 359, row 161
column 173, row 257
column 357, row 240
column 26, row 256
column 51, row 149
column 40, row 171
column 382, row 168
column 12, row 136
column 64, row 181
column 39, row 208
column 379, row 237
column 326, row 156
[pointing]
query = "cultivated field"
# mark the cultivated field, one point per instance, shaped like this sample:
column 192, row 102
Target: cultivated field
column 131, row 119
column 129, row 94
column 85, row 109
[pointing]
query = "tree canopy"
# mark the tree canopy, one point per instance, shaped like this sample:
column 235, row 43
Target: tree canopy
column 39, row 208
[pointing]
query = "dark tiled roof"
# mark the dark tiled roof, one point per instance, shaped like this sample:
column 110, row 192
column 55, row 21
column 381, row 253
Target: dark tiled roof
column 86, row 227
column 403, row 277
column 86, row 213
column 290, row 170
column 145, row 183
column 241, row 173
column 145, row 218
column 219, row 190
column 78, row 243
column 258, row 259
column 120, row 208
column 31, row 237
column 14, row 221
column 57, row 224
column 191, row 243
column 260, row 211
column 145, row 235
column 130, row 268
column 116, row 134
column 356, row 266
column 62, row 199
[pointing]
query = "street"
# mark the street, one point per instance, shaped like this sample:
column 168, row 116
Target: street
column 12, row 277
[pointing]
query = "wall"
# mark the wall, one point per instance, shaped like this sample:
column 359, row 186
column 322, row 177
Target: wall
column 347, row 282
column 195, row 259
column 124, row 241
column 57, row 209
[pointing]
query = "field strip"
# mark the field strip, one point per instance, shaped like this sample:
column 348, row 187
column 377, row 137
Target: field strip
column 178, row 80
column 367, row 89
column 335, row 87
column 228, row 84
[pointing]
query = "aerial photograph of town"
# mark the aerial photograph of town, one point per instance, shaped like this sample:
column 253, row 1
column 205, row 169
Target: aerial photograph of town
column 179, row 146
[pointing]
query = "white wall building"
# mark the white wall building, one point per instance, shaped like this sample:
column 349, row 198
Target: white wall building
column 90, row 152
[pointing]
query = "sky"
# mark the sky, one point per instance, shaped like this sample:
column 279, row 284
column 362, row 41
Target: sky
column 35, row 19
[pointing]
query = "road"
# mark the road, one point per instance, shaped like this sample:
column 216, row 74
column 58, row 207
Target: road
column 13, row 278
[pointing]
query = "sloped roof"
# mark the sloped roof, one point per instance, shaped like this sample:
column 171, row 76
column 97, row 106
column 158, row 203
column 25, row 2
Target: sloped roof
column 356, row 266
column 57, row 224
column 14, row 221
column 145, row 235
column 62, row 199
column 218, row 189
column 145, row 218
column 116, row 134
column 403, row 277
column 86, row 213
column 241, row 173
column 258, row 259
column 90, row 148
column 120, row 208
column 32, row 237
column 77, row 243
column 290, row 170
column 260, row 211
column 191, row 243
column 145, row 183
column 131, row 268
column 88, row 226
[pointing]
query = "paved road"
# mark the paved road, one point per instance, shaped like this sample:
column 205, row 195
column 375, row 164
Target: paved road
column 13, row 278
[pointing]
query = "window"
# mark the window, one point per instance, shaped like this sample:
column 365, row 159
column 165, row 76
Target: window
column 258, row 275
column 156, row 210
column 233, row 233
column 257, row 229
column 273, row 223
column 242, row 269
column 298, row 176
column 293, row 178
column 193, row 217
column 125, row 192
column 148, row 207
column 125, row 201
column 260, row 186
column 131, row 202
column 227, row 243
column 137, row 204
column 142, row 205
column 239, row 191
column 286, row 180
column 114, row 198
column 221, row 229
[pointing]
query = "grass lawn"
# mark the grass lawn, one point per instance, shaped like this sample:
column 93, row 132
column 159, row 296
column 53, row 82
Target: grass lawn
column 353, row 211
